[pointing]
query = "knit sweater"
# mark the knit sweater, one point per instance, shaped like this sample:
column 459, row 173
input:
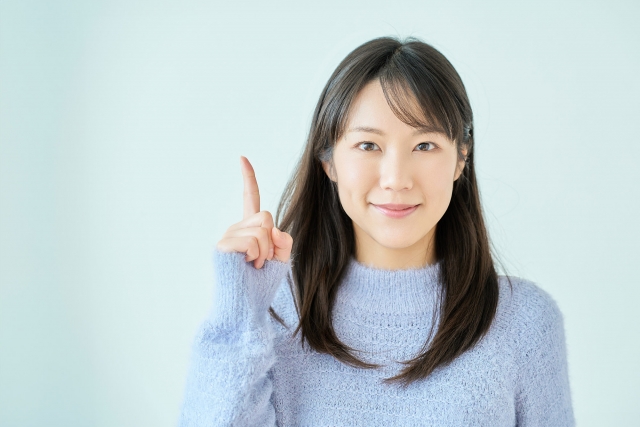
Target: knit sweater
column 248, row 370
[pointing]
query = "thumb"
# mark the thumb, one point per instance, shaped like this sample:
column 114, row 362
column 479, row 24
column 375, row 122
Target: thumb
column 282, row 243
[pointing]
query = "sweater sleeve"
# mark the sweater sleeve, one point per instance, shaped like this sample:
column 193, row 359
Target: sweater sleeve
column 227, row 383
column 543, row 396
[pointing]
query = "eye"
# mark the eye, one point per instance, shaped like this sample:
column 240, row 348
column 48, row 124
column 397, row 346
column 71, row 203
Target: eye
column 367, row 146
column 423, row 144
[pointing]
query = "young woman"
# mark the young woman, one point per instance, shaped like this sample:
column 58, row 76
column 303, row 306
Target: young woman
column 375, row 301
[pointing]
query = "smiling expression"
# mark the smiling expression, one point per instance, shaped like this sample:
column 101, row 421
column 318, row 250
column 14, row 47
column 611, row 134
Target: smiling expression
column 382, row 165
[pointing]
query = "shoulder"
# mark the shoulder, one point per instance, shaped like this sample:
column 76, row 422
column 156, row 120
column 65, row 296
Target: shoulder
column 527, row 299
column 531, row 314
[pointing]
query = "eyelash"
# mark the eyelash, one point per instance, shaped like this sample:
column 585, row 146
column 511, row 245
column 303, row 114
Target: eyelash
column 422, row 143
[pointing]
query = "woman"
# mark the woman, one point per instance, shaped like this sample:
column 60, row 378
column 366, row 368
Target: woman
column 376, row 301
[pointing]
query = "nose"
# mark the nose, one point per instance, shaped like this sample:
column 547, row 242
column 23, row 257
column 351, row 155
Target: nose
column 395, row 172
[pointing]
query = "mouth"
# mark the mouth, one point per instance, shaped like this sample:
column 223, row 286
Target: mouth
column 393, row 210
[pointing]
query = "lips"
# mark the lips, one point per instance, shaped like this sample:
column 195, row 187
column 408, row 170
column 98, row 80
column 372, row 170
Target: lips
column 394, row 210
column 395, row 206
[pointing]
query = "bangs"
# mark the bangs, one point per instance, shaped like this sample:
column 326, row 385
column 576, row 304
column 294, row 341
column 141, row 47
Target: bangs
column 407, row 108
column 420, row 86
column 418, row 99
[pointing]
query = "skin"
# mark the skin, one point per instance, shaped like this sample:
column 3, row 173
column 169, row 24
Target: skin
column 255, row 235
column 392, row 165
column 391, row 162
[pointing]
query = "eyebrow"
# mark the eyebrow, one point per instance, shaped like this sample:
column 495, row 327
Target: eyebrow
column 418, row 131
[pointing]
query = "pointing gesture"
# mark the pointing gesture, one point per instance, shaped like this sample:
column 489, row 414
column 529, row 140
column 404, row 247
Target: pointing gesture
column 251, row 192
column 255, row 235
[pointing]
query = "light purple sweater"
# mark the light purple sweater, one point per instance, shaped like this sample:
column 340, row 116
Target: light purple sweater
column 246, row 370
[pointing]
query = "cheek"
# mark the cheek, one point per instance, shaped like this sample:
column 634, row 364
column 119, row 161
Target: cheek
column 355, row 181
column 437, row 186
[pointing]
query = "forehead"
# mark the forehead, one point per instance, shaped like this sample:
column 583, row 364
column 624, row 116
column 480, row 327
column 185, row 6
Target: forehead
column 373, row 112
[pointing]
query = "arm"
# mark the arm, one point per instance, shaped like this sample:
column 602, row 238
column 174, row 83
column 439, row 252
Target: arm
column 543, row 396
column 227, row 383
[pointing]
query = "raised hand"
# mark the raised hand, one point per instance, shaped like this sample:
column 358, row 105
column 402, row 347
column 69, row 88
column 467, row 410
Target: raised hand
column 255, row 235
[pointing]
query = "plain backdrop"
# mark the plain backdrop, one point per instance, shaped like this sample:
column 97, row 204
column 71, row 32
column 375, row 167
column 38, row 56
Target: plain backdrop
column 121, row 127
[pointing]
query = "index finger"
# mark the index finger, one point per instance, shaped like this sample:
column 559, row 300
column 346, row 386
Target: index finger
column 251, row 193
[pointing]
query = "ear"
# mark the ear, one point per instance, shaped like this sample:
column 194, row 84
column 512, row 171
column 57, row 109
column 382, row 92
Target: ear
column 461, row 165
column 328, row 169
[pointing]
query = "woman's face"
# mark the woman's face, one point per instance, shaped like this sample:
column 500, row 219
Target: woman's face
column 381, row 161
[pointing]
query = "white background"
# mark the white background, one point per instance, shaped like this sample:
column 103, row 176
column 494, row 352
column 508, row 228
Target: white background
column 121, row 127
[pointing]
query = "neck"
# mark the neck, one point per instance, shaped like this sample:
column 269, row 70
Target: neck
column 373, row 254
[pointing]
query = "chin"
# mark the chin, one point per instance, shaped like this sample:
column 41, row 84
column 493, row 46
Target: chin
column 396, row 242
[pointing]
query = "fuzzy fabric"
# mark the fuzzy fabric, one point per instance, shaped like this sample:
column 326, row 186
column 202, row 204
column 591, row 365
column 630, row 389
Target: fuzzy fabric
column 247, row 369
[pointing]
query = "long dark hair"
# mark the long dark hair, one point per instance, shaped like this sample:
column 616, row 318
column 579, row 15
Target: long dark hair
column 323, row 236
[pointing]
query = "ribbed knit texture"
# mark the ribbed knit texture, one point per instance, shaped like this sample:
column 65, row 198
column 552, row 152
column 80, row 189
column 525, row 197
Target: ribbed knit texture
column 247, row 370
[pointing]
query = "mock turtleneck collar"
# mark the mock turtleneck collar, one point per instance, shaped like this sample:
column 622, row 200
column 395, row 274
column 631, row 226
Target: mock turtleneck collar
column 404, row 291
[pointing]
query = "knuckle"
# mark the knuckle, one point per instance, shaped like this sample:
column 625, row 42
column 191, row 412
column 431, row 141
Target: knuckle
column 264, row 233
column 253, row 245
column 266, row 216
